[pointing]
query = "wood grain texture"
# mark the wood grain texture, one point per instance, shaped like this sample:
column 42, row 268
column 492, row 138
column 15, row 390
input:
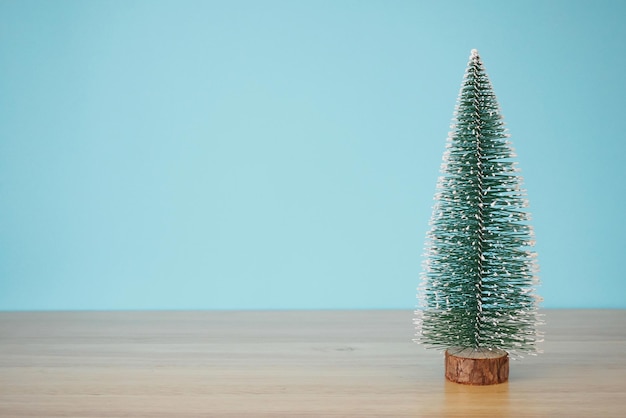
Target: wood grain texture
column 476, row 366
column 291, row 364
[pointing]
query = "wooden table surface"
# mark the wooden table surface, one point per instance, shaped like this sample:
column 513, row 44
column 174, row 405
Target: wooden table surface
column 292, row 364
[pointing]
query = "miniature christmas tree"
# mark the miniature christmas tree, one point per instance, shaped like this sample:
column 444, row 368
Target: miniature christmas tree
column 477, row 296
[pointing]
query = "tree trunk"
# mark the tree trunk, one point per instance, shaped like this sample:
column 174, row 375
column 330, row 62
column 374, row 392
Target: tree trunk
column 477, row 366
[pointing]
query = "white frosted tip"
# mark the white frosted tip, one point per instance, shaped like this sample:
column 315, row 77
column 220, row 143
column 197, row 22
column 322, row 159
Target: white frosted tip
column 474, row 53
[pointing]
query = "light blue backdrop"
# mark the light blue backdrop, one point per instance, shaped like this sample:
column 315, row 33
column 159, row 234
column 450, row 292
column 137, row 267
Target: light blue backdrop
column 284, row 154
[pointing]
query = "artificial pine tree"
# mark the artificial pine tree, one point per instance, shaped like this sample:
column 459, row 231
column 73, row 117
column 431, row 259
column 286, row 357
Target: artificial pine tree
column 477, row 299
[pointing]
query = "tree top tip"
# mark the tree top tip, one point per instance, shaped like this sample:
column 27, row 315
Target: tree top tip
column 474, row 54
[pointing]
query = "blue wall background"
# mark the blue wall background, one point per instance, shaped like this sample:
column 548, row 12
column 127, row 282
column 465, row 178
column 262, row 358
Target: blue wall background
column 284, row 154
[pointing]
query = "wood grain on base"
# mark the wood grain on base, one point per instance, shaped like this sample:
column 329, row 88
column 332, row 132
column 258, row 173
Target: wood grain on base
column 476, row 366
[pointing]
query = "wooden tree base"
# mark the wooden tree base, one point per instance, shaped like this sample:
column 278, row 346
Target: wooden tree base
column 477, row 366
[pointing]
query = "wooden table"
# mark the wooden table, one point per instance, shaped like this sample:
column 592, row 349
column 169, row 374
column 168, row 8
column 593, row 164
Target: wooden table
column 291, row 363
